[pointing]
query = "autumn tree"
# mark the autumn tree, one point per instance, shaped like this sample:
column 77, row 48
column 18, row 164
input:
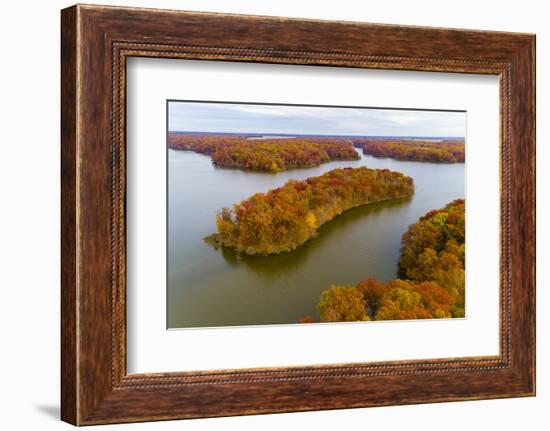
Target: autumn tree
column 342, row 304
column 373, row 293
column 435, row 299
column 453, row 281
column 401, row 302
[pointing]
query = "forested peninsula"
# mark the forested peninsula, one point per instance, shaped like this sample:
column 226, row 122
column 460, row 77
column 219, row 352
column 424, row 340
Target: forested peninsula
column 431, row 277
column 282, row 219
column 272, row 155
column 444, row 151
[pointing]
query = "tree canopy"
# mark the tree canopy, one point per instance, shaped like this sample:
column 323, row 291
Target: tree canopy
column 445, row 151
column 282, row 219
column 342, row 304
column 273, row 155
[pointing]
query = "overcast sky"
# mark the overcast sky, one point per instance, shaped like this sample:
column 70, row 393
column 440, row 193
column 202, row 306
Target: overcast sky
column 243, row 118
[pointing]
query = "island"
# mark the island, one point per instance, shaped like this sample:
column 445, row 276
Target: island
column 271, row 154
column 417, row 150
column 431, row 277
column 284, row 218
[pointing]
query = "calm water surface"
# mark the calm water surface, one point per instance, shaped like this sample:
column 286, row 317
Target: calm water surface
column 208, row 287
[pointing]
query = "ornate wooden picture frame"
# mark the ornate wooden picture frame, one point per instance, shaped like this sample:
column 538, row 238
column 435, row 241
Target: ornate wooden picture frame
column 96, row 41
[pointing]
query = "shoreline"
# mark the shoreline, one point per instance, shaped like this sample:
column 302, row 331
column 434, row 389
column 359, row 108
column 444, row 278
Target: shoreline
column 213, row 239
column 281, row 220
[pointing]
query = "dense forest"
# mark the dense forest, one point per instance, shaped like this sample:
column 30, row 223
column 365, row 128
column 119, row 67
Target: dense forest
column 282, row 219
column 431, row 271
column 273, row 155
column 445, row 151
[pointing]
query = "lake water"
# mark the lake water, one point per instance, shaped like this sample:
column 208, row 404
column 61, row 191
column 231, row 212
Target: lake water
column 208, row 287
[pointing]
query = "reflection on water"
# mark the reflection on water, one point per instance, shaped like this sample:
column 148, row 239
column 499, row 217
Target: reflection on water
column 273, row 266
column 208, row 287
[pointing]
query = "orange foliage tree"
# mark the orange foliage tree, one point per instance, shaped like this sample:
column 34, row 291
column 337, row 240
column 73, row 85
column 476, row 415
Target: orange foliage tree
column 342, row 304
column 374, row 293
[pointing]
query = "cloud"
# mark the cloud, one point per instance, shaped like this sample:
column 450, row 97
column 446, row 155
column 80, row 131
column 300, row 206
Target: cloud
column 295, row 119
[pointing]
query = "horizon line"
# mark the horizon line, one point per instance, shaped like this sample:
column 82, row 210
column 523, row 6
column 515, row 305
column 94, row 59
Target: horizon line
column 312, row 134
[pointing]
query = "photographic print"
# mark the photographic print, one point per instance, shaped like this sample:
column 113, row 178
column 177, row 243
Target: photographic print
column 295, row 214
